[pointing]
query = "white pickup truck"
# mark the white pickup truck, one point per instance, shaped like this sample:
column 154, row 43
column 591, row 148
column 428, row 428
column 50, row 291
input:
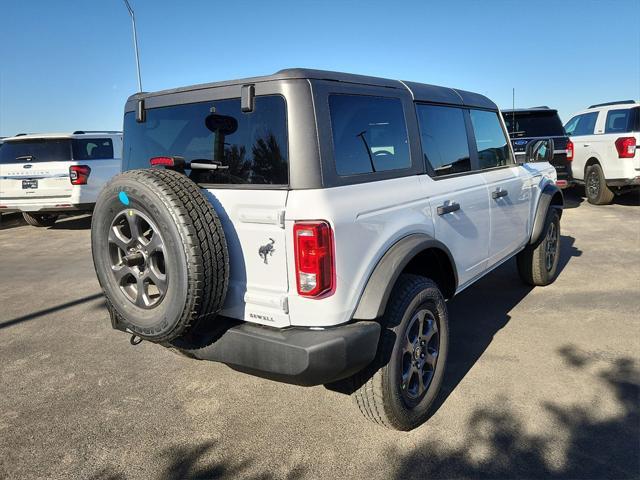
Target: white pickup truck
column 44, row 175
column 309, row 227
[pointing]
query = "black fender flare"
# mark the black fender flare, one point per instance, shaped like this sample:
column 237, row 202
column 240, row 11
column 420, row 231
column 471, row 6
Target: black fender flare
column 550, row 197
column 375, row 295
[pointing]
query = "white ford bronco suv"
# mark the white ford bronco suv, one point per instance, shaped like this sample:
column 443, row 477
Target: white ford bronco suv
column 604, row 148
column 309, row 227
column 44, row 175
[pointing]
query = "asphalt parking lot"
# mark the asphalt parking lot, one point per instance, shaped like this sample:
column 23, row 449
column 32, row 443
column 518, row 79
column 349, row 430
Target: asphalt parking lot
column 542, row 383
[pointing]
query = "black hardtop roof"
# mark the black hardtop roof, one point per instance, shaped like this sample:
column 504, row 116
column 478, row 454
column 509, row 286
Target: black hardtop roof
column 530, row 110
column 421, row 92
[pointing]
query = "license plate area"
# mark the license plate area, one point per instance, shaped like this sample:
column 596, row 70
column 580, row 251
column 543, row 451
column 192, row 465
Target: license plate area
column 29, row 184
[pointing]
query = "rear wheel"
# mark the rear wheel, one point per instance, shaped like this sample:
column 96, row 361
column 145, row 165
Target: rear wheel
column 40, row 219
column 401, row 384
column 595, row 186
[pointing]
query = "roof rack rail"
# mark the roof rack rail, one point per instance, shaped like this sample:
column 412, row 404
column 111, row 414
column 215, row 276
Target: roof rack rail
column 619, row 102
column 541, row 106
column 20, row 134
column 82, row 132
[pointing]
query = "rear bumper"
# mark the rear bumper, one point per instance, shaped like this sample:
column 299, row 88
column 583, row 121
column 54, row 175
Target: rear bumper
column 59, row 207
column 563, row 169
column 295, row 355
column 624, row 182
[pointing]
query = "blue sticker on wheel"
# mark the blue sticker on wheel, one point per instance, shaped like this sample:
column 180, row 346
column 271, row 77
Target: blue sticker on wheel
column 123, row 198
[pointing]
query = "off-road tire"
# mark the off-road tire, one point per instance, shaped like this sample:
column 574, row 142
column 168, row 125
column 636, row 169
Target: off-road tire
column 197, row 260
column 40, row 219
column 379, row 396
column 595, row 186
column 532, row 261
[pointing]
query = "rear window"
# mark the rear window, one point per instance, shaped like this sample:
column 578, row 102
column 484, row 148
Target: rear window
column 369, row 134
column 31, row 151
column 621, row 121
column 252, row 145
column 92, row 148
column 534, row 124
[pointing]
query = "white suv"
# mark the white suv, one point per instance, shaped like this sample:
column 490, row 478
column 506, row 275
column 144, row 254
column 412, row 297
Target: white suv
column 604, row 140
column 44, row 175
column 309, row 227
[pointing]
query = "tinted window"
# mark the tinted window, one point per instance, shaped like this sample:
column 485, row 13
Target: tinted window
column 30, row 151
column 92, row 148
column 444, row 139
column 492, row 144
column 533, row 124
column 252, row 145
column 369, row 134
column 582, row 124
column 619, row 121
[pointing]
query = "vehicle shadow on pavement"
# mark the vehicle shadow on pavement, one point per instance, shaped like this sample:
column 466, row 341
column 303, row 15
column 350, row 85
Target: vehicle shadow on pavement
column 47, row 311
column 572, row 198
column 82, row 222
column 472, row 329
column 11, row 220
column 584, row 442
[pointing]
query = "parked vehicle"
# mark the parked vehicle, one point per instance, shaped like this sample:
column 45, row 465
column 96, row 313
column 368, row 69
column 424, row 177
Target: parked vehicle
column 309, row 227
column 44, row 175
column 604, row 139
column 529, row 124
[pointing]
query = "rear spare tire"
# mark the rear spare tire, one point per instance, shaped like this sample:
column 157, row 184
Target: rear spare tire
column 160, row 254
column 40, row 219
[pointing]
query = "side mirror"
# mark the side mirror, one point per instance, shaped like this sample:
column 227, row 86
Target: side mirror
column 539, row 150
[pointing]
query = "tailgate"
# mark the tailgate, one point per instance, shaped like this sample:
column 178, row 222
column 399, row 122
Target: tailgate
column 33, row 180
column 35, row 168
column 253, row 223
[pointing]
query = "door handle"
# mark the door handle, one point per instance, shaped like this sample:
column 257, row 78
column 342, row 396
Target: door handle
column 586, row 145
column 496, row 194
column 452, row 207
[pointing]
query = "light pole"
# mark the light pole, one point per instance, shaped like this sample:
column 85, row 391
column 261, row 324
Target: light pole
column 135, row 42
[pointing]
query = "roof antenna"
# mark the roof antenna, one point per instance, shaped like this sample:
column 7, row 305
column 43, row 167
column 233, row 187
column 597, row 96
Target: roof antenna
column 135, row 42
column 513, row 109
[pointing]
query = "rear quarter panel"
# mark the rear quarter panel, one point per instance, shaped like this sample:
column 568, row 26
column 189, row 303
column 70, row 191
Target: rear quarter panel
column 367, row 219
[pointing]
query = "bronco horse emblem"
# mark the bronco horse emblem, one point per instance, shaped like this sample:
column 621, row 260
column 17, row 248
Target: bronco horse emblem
column 267, row 250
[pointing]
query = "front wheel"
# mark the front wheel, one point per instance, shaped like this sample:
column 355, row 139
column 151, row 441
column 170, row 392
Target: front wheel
column 538, row 263
column 40, row 219
column 399, row 387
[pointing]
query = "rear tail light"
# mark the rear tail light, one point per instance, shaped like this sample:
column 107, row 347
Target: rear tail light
column 315, row 270
column 162, row 162
column 79, row 174
column 569, row 150
column 170, row 162
column 626, row 147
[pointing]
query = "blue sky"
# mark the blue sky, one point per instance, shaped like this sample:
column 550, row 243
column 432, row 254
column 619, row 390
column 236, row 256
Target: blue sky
column 69, row 64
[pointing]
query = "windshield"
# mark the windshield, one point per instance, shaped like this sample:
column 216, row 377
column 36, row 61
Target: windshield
column 250, row 147
column 534, row 124
column 30, row 151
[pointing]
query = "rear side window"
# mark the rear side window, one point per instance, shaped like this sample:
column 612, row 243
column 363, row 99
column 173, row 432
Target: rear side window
column 92, row 148
column 369, row 134
column 582, row 124
column 31, row 151
column 251, row 145
column 491, row 141
column 620, row 121
column 444, row 139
